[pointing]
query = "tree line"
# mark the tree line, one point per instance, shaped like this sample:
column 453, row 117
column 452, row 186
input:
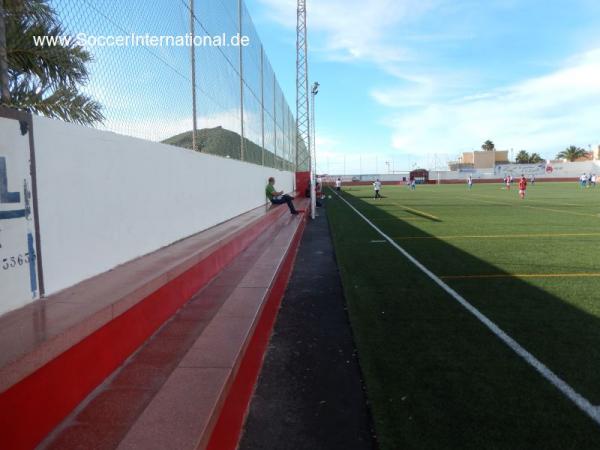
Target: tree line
column 571, row 153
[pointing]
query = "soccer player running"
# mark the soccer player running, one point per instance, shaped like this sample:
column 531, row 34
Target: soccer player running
column 470, row 182
column 377, row 188
column 522, row 187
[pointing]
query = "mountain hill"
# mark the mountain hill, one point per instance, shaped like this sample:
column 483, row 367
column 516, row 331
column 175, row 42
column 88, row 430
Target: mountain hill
column 226, row 143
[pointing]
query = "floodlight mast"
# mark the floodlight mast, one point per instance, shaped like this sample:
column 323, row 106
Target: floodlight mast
column 303, row 141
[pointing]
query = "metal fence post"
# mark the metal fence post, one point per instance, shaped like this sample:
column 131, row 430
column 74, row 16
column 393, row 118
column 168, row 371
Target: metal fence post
column 262, row 101
column 275, row 120
column 194, row 123
column 241, row 83
column 283, row 156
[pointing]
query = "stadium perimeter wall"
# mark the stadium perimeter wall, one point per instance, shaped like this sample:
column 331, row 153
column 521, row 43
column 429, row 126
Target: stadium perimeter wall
column 564, row 171
column 105, row 199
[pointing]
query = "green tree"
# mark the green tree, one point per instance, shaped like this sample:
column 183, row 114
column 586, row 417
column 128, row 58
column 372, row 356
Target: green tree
column 46, row 79
column 488, row 146
column 522, row 157
column 571, row 153
column 525, row 158
column 535, row 158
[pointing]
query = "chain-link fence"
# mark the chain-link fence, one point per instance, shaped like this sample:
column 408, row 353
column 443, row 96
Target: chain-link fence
column 145, row 90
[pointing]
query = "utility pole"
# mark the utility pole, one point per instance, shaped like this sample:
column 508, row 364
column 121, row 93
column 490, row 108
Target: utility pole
column 313, row 167
column 5, row 98
column 313, row 92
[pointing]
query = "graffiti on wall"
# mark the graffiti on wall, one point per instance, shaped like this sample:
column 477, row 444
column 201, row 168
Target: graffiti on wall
column 18, row 274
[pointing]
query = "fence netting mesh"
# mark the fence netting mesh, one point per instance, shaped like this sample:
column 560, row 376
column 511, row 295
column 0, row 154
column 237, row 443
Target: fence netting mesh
column 145, row 90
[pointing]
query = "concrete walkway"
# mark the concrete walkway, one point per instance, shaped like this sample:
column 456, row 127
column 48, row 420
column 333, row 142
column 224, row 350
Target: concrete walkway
column 309, row 395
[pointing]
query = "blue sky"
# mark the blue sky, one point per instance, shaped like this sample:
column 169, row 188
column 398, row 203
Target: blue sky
column 416, row 82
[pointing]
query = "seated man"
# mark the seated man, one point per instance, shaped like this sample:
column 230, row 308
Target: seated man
column 277, row 198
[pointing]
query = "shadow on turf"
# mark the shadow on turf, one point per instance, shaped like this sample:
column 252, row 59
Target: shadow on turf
column 563, row 337
column 423, row 216
column 409, row 211
column 367, row 196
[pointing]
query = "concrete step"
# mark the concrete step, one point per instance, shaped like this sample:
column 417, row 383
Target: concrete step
column 54, row 352
column 173, row 392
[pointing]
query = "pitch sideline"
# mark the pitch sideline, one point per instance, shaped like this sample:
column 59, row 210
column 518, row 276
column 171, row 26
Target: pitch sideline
column 581, row 402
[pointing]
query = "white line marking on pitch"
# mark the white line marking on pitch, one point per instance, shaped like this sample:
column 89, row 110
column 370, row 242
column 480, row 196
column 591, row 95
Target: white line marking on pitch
column 581, row 402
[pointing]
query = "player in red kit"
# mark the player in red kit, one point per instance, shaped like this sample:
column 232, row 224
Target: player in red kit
column 522, row 187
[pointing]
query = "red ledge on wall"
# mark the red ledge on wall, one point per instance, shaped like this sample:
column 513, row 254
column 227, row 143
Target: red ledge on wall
column 31, row 408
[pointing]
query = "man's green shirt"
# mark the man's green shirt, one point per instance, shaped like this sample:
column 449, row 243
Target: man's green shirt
column 269, row 191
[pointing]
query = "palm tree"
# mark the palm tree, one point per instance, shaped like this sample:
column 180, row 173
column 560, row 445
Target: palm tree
column 488, row 146
column 525, row 158
column 522, row 157
column 46, row 79
column 535, row 158
column 571, row 153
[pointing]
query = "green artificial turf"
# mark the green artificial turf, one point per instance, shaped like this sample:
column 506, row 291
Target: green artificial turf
column 438, row 378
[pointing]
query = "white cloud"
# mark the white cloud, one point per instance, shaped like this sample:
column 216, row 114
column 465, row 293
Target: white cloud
column 432, row 108
column 542, row 114
column 142, row 130
column 418, row 93
column 165, row 128
column 334, row 156
column 354, row 29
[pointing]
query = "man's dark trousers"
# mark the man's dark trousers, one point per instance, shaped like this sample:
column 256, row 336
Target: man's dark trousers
column 284, row 199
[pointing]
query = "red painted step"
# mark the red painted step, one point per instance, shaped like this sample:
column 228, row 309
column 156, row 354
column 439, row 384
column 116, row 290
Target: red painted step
column 55, row 352
column 199, row 370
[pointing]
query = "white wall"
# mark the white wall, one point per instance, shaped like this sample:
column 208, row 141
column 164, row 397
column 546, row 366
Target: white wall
column 18, row 265
column 553, row 170
column 369, row 177
column 105, row 199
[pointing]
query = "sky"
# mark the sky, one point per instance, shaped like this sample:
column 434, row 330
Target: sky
column 413, row 83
